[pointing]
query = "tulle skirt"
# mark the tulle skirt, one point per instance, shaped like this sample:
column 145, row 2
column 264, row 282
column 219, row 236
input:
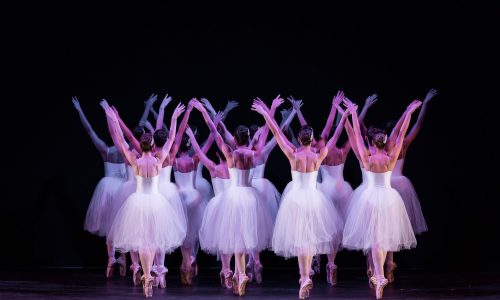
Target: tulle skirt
column 377, row 216
column 405, row 188
column 205, row 188
column 147, row 222
column 195, row 208
column 339, row 192
column 125, row 190
column 307, row 224
column 172, row 195
column 98, row 213
column 267, row 194
column 236, row 222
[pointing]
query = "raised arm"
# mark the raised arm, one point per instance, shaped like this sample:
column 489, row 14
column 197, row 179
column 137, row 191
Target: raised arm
column 146, row 124
column 331, row 117
column 265, row 131
column 128, row 134
column 297, row 104
column 362, row 150
column 148, row 104
column 420, row 120
column 394, row 153
column 118, row 135
column 159, row 121
column 155, row 115
column 98, row 143
column 213, row 129
column 207, row 162
column 167, row 150
column 230, row 105
column 278, row 134
column 182, row 128
column 266, row 150
column 333, row 140
column 228, row 137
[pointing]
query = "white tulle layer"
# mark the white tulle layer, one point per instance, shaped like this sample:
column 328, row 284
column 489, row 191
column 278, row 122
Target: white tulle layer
column 172, row 195
column 267, row 194
column 339, row 192
column 377, row 216
column 405, row 188
column 195, row 208
column 123, row 192
column 235, row 222
column 307, row 224
column 147, row 222
column 99, row 210
column 205, row 188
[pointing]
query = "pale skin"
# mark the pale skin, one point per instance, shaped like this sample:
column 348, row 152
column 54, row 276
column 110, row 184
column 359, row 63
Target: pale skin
column 147, row 165
column 303, row 160
column 380, row 162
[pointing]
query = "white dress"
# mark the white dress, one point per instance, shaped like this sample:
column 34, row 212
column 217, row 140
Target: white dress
column 169, row 190
column 195, row 205
column 335, row 187
column 236, row 221
column 147, row 221
column 377, row 216
column 307, row 222
column 203, row 185
column 268, row 192
column 126, row 189
column 99, row 210
column 405, row 188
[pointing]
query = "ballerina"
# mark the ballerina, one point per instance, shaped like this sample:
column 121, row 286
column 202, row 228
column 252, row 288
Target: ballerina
column 238, row 223
column 377, row 219
column 98, row 217
column 146, row 222
column 303, row 228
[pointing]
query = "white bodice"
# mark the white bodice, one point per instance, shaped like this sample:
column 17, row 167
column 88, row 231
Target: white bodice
column 165, row 174
column 379, row 179
column 363, row 175
column 220, row 185
column 258, row 171
column 398, row 168
column 185, row 181
column 240, row 177
column 114, row 170
column 199, row 170
column 147, row 185
column 330, row 173
column 303, row 180
column 130, row 173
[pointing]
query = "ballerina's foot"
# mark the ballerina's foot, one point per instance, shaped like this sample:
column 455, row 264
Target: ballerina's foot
column 249, row 271
column 242, row 283
column 122, row 263
column 258, row 272
column 305, row 287
column 389, row 271
column 147, row 285
column 136, row 274
column 379, row 291
column 110, row 269
column 331, row 274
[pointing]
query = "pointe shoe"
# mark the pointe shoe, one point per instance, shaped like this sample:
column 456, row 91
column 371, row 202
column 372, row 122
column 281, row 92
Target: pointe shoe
column 147, row 285
column 331, row 274
column 305, row 287
column 242, row 283
column 122, row 263
column 226, row 278
column 379, row 288
column 249, row 271
column 186, row 276
column 369, row 272
column 316, row 265
column 194, row 266
column 257, row 272
column 235, row 283
column 159, row 276
column 136, row 271
column 110, row 269
column 372, row 281
column 389, row 272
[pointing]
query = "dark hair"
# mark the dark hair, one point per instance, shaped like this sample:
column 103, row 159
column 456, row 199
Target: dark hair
column 241, row 135
column 253, row 129
column 160, row 137
column 306, row 135
column 372, row 131
column 380, row 139
column 146, row 142
column 138, row 131
column 185, row 143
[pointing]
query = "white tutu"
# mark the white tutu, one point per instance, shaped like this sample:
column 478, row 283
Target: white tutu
column 124, row 191
column 99, row 211
column 307, row 222
column 336, row 188
column 235, row 221
column 195, row 206
column 377, row 216
column 147, row 221
column 405, row 188
column 267, row 191
column 202, row 185
column 169, row 190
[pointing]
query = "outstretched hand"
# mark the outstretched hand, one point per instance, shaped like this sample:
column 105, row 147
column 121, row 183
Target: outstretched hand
column 178, row 110
column 151, row 100
column 277, row 102
column 370, row 100
column 218, row 117
column 414, row 105
column 338, row 98
column 208, row 106
column 104, row 104
column 147, row 125
column 430, row 95
column 230, row 105
column 285, row 113
column 166, row 100
column 76, row 103
column 256, row 106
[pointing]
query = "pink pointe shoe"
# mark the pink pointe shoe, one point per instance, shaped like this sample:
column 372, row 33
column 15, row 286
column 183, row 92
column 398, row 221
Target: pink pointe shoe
column 226, row 278
column 389, row 271
column 136, row 274
column 159, row 276
column 249, row 271
column 110, row 269
column 257, row 272
column 186, row 276
column 331, row 274
column 147, row 285
column 242, row 283
column 379, row 285
column 305, row 287
column 122, row 263
column 194, row 266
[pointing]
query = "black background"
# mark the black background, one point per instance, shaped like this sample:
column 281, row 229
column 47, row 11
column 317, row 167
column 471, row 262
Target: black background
column 125, row 52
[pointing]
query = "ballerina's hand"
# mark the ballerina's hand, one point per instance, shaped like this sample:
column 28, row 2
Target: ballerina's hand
column 151, row 100
column 178, row 110
column 218, row 117
column 166, row 100
column 258, row 108
column 208, row 105
column 76, row 103
column 230, row 105
column 104, row 104
column 111, row 114
column 414, row 106
column 285, row 113
column 147, row 124
column 430, row 95
column 338, row 98
column 370, row 100
column 277, row 102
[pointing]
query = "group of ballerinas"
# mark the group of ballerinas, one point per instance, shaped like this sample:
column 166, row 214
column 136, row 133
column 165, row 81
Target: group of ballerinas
column 140, row 210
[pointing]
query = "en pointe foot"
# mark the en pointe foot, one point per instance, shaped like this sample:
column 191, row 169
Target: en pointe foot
column 110, row 268
column 331, row 274
column 147, row 285
column 305, row 287
column 389, row 271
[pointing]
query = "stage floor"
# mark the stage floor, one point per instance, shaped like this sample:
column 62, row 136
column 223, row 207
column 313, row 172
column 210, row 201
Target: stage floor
column 278, row 284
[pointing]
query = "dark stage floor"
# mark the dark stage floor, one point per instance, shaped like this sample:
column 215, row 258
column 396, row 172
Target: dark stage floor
column 278, row 284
